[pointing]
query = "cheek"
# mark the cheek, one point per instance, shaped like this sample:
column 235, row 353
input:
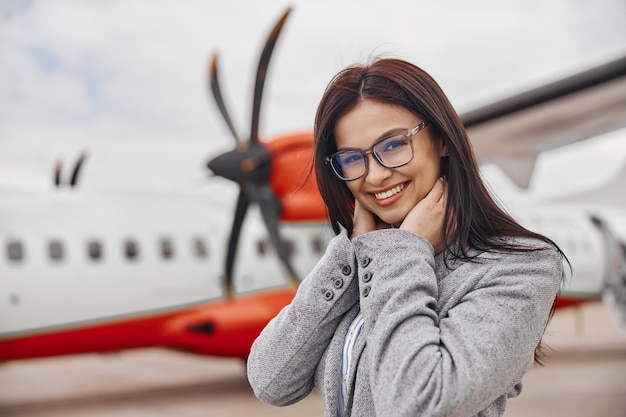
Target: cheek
column 421, row 169
column 353, row 187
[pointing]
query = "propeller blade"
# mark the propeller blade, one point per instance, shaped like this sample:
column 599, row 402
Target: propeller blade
column 219, row 100
column 233, row 240
column 58, row 167
column 270, row 209
column 249, row 165
column 261, row 73
column 77, row 167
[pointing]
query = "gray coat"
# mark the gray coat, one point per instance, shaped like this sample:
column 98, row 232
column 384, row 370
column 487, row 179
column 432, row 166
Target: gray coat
column 435, row 342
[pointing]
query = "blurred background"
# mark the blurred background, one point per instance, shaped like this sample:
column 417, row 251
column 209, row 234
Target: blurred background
column 127, row 82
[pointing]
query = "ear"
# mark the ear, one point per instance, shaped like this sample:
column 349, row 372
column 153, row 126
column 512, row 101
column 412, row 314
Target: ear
column 443, row 149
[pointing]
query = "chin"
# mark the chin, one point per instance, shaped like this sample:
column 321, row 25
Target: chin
column 396, row 221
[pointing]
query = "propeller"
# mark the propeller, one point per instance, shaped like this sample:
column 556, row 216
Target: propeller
column 249, row 165
column 58, row 168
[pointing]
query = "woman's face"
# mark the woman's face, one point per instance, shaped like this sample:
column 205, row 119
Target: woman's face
column 390, row 193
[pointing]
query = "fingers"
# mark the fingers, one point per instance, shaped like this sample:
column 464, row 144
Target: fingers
column 442, row 186
column 437, row 196
column 426, row 218
column 437, row 193
column 363, row 221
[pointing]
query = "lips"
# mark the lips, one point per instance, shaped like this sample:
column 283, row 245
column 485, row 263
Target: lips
column 383, row 195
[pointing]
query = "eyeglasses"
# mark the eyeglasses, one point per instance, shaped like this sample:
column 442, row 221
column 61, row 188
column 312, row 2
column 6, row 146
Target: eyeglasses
column 391, row 152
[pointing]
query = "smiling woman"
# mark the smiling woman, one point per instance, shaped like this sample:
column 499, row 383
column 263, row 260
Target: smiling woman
column 430, row 300
column 415, row 172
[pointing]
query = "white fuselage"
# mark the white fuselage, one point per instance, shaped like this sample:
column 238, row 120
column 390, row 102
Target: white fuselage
column 71, row 257
column 75, row 257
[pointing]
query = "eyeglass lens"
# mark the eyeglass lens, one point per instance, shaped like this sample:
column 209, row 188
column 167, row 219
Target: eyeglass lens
column 391, row 152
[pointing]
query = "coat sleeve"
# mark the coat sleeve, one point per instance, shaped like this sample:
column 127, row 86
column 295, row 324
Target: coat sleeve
column 283, row 359
column 457, row 362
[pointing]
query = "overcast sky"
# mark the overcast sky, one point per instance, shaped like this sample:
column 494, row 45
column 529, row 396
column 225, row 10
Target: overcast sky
column 126, row 80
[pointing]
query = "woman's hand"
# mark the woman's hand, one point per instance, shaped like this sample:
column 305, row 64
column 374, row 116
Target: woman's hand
column 426, row 218
column 365, row 221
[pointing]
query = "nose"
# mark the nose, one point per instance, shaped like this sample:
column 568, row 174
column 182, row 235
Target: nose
column 376, row 173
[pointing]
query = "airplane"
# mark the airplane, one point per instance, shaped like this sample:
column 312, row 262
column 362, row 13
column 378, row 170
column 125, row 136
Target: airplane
column 84, row 271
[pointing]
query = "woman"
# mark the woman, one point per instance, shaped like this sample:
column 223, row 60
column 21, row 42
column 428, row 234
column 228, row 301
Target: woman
column 430, row 301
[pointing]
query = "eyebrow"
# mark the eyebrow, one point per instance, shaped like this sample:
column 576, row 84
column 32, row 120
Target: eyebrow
column 384, row 135
column 393, row 131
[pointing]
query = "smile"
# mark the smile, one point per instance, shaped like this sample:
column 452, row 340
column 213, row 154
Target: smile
column 386, row 194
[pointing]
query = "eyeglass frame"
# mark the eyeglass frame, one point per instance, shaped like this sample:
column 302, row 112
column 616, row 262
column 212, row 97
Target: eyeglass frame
column 409, row 135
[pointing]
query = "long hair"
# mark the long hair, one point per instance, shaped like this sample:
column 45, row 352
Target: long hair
column 472, row 218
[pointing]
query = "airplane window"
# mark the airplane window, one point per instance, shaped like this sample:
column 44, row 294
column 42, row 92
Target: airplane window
column 318, row 245
column 15, row 251
column 199, row 248
column 131, row 249
column 167, row 248
column 290, row 246
column 55, row 250
column 261, row 247
column 94, row 250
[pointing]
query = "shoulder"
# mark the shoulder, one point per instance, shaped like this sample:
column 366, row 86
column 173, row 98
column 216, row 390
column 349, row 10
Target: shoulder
column 513, row 248
column 525, row 250
column 528, row 261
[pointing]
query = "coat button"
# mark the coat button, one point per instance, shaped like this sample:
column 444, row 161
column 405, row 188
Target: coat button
column 366, row 261
column 338, row 283
column 367, row 277
column 346, row 270
column 328, row 295
column 366, row 291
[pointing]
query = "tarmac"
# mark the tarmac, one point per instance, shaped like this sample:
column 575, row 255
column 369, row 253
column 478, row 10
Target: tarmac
column 584, row 376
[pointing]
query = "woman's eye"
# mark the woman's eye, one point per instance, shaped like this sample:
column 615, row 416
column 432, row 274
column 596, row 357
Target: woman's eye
column 392, row 144
column 351, row 158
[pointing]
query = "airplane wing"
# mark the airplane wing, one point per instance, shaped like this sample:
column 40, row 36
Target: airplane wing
column 513, row 131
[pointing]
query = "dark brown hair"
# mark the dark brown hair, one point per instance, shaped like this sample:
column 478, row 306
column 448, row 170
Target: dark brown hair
column 472, row 220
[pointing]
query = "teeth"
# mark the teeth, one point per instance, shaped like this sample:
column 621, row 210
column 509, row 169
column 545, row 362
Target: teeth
column 389, row 193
